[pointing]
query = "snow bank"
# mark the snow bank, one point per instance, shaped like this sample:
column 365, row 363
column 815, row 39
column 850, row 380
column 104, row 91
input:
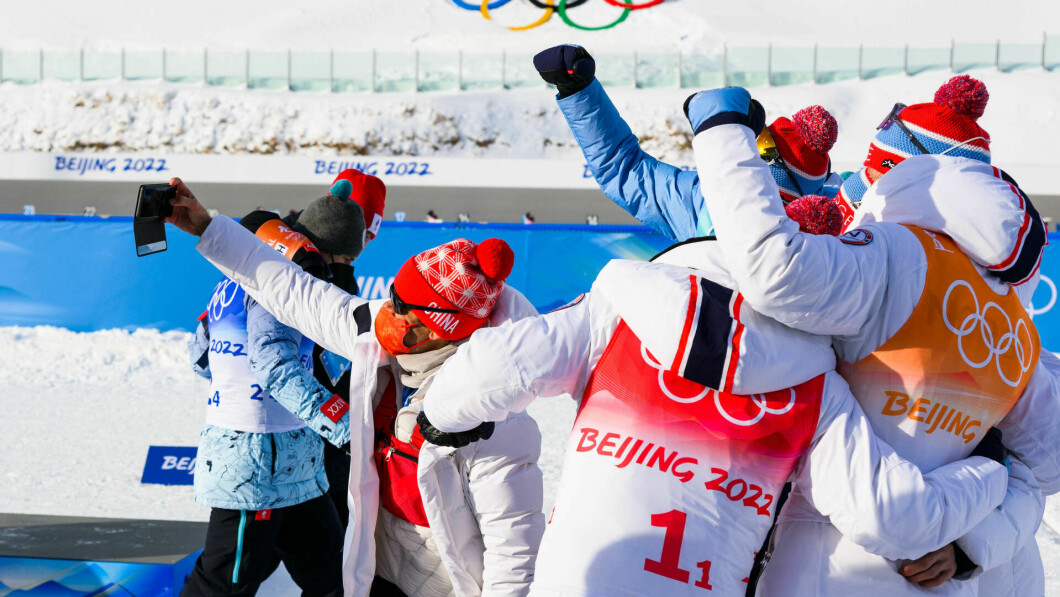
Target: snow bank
column 58, row 117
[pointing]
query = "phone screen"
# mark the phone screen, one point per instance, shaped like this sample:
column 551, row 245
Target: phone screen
column 152, row 208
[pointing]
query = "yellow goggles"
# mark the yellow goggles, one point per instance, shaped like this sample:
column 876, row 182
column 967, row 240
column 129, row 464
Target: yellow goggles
column 767, row 147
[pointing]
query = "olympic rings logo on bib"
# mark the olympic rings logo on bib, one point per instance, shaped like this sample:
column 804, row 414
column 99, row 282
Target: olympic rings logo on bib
column 550, row 7
column 1008, row 347
column 222, row 298
column 758, row 400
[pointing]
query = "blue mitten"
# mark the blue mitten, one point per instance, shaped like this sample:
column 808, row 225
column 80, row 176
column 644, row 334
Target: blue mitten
column 727, row 105
column 570, row 68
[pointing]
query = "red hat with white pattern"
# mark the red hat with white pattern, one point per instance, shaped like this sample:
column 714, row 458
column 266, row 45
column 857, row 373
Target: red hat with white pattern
column 459, row 275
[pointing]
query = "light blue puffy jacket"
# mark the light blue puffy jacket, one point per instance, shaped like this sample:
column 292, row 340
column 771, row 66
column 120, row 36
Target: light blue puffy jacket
column 662, row 196
column 240, row 470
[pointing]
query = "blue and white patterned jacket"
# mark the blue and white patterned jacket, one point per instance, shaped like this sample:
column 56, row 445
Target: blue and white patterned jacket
column 241, row 470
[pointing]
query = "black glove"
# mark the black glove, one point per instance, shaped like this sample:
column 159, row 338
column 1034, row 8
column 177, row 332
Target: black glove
column 452, row 440
column 991, row 447
column 570, row 68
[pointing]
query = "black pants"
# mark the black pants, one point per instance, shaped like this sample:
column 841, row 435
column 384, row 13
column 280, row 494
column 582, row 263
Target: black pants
column 337, row 467
column 244, row 547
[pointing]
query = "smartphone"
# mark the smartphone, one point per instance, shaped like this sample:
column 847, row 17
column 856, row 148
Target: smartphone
column 152, row 209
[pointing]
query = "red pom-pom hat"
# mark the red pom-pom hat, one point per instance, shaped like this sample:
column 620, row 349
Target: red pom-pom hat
column 459, row 275
column 803, row 141
column 816, row 214
column 946, row 125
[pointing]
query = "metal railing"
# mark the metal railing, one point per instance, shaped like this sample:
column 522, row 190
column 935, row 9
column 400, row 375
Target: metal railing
column 473, row 71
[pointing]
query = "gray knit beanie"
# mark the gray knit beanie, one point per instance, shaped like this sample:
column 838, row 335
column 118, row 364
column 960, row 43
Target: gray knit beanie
column 334, row 223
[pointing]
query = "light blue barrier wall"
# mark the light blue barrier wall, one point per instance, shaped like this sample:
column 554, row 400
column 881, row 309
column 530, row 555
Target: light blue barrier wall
column 83, row 273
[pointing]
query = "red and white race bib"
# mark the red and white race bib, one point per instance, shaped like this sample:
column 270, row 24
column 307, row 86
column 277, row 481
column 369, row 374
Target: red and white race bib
column 669, row 487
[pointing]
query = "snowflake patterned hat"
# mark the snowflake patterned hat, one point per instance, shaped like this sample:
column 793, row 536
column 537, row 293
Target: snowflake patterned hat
column 459, row 275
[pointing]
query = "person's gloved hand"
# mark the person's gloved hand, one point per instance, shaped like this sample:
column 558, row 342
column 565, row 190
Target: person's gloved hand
column 570, row 68
column 452, row 440
column 991, row 447
column 726, row 105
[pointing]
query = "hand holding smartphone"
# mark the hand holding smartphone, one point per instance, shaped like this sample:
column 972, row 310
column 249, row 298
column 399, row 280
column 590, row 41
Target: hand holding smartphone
column 152, row 209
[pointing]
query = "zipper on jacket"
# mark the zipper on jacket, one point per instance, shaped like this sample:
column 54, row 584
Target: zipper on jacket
column 272, row 441
column 392, row 450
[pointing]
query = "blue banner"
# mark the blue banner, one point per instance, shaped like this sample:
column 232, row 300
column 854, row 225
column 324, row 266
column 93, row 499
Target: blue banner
column 83, row 273
column 169, row 465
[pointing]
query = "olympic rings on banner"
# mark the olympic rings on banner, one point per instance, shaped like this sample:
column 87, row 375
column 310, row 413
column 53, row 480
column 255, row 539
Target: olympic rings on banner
column 570, row 5
column 621, row 4
column 475, row 7
column 562, row 9
column 549, row 9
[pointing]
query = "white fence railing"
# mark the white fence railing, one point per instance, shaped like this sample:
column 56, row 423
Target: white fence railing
column 453, row 71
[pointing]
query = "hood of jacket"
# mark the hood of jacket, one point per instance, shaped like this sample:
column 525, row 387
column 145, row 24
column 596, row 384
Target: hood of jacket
column 976, row 204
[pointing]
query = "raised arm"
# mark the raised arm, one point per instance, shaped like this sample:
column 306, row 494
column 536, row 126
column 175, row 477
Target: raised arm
column 883, row 502
column 322, row 311
column 662, row 196
column 777, row 268
column 274, row 360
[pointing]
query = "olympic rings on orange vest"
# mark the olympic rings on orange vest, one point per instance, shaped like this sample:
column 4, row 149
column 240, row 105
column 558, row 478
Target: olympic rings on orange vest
column 544, row 18
column 492, row 5
column 562, row 9
column 621, row 4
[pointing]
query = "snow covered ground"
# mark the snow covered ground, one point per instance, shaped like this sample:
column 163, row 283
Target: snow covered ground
column 80, row 410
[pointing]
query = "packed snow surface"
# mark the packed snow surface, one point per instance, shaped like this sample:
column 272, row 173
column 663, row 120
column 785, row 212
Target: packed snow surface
column 81, row 409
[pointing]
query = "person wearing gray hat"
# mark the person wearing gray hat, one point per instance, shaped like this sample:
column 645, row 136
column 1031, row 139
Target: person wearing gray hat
column 334, row 223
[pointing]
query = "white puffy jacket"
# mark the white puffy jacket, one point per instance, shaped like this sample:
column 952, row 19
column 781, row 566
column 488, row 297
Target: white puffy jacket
column 874, row 278
column 597, row 543
column 483, row 501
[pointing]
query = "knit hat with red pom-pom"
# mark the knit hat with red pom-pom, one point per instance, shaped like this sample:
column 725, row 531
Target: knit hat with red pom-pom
column 816, row 214
column 804, row 141
column 946, row 125
column 461, row 276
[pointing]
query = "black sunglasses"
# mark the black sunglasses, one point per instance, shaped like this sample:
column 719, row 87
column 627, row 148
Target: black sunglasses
column 892, row 118
column 402, row 308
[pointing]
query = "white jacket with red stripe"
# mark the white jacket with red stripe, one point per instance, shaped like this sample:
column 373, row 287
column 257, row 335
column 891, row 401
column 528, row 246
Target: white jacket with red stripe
column 861, row 289
column 633, row 526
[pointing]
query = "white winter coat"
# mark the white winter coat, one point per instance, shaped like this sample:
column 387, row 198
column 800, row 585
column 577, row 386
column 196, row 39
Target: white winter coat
column 880, row 500
column 870, row 290
column 484, row 501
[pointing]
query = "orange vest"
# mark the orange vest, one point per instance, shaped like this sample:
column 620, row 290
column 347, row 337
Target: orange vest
column 954, row 369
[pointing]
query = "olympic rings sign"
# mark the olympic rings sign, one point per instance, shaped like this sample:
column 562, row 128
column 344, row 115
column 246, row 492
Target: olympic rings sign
column 758, row 399
column 556, row 6
column 996, row 346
